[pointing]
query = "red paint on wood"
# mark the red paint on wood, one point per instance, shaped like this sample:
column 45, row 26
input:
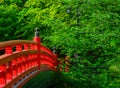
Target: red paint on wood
column 28, row 54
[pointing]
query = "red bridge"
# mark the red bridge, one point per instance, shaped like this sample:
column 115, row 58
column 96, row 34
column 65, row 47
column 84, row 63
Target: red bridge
column 23, row 59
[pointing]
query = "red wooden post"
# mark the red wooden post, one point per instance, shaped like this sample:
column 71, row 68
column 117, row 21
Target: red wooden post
column 55, row 56
column 19, row 67
column 14, row 67
column 32, row 59
column 26, row 48
column 29, row 61
column 31, row 47
column 9, row 75
column 60, row 63
column 23, row 64
column 2, row 76
column 56, row 61
column 8, row 50
column 37, row 47
column 67, row 64
column 19, row 48
column 35, row 62
column 35, row 56
column 27, row 64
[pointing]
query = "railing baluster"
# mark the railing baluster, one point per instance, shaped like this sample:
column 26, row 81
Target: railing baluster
column 2, row 75
column 29, row 61
column 9, row 72
column 26, row 47
column 26, row 63
column 23, row 64
column 38, row 46
column 61, row 65
column 8, row 51
column 67, row 64
column 31, row 47
column 18, row 48
column 32, row 60
column 21, row 58
column 14, row 67
column 19, row 66
column 36, row 60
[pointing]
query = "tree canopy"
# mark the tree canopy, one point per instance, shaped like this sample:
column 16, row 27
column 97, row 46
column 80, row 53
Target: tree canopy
column 88, row 28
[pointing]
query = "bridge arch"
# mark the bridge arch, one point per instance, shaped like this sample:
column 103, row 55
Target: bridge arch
column 22, row 60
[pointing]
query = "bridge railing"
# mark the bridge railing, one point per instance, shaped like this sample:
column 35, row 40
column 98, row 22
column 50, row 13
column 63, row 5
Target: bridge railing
column 21, row 58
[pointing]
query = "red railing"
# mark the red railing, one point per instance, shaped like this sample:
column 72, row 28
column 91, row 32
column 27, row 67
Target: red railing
column 23, row 59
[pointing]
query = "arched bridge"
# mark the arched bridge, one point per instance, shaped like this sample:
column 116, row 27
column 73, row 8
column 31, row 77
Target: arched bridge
column 23, row 59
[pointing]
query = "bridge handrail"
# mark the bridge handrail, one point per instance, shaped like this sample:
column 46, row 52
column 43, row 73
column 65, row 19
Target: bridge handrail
column 15, row 42
column 23, row 58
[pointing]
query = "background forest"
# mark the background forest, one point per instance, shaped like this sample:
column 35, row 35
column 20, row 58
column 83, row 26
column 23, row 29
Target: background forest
column 88, row 31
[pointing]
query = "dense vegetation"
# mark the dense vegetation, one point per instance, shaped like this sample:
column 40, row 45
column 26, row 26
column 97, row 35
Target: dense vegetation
column 90, row 30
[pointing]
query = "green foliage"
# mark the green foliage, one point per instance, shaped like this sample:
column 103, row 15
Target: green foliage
column 8, row 21
column 95, row 38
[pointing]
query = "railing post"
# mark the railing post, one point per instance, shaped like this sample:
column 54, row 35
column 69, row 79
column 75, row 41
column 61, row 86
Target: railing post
column 55, row 57
column 2, row 75
column 37, row 47
column 67, row 64
column 9, row 69
column 61, row 65
column 19, row 60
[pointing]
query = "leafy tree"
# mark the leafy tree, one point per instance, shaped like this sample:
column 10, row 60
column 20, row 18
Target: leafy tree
column 90, row 30
column 8, row 21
